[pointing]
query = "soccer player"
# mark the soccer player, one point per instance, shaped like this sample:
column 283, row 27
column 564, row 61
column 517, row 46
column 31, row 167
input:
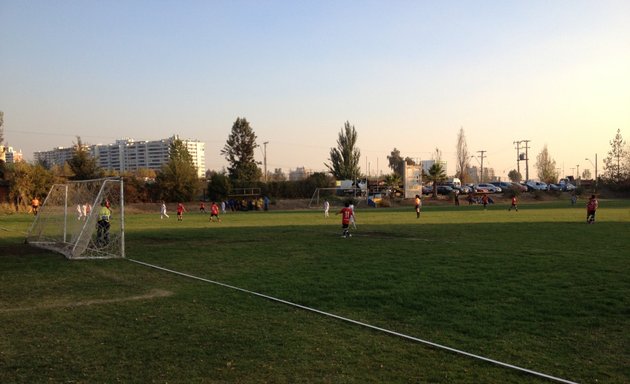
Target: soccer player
column 214, row 212
column 202, row 207
column 326, row 208
column 513, row 204
column 346, row 214
column 34, row 205
column 180, row 211
column 591, row 207
column 352, row 218
column 163, row 211
column 418, row 206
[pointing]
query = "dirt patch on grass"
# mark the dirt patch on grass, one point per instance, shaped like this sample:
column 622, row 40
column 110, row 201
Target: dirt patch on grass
column 153, row 294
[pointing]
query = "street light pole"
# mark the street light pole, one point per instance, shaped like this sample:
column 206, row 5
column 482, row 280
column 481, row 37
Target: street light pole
column 265, row 159
column 595, row 166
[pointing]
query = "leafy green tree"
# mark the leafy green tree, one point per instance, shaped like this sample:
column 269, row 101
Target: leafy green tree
column 82, row 164
column 344, row 160
column 437, row 175
column 28, row 181
column 546, row 167
column 396, row 162
column 239, row 152
column 613, row 163
column 515, row 176
column 219, row 186
column 177, row 180
column 394, row 181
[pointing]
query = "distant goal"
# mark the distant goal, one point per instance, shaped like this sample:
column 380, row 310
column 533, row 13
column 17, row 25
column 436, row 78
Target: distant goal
column 68, row 221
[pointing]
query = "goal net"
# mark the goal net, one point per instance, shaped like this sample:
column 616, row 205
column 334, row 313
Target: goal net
column 71, row 220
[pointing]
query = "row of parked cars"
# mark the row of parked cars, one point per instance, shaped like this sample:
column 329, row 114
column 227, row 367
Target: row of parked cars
column 498, row 187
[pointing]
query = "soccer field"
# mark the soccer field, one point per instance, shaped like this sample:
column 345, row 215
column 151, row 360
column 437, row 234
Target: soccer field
column 538, row 289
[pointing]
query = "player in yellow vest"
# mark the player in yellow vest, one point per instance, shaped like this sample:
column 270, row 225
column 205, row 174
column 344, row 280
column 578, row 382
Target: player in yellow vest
column 102, row 225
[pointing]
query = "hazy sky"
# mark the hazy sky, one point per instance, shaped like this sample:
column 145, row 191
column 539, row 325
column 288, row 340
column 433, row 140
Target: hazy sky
column 406, row 74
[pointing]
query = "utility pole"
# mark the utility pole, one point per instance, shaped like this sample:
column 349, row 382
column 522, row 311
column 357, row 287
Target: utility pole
column 481, row 178
column 577, row 172
column 526, row 158
column 265, row 159
column 518, row 154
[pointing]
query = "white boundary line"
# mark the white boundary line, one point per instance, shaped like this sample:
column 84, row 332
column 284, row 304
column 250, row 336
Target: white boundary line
column 486, row 359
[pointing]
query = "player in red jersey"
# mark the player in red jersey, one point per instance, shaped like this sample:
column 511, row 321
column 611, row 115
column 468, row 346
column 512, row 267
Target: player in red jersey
column 214, row 212
column 513, row 204
column 180, row 211
column 346, row 215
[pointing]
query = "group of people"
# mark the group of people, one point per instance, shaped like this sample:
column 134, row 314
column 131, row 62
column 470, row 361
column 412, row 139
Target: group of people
column 214, row 211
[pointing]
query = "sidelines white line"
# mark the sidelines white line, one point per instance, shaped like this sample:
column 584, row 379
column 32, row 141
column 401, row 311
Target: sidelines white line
column 496, row 362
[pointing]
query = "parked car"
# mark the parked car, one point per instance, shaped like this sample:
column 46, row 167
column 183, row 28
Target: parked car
column 536, row 186
column 487, row 187
column 519, row 186
column 464, row 189
column 566, row 186
column 507, row 185
column 554, row 187
column 426, row 190
column 445, row 190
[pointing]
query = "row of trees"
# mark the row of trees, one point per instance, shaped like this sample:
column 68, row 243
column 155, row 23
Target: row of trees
column 178, row 181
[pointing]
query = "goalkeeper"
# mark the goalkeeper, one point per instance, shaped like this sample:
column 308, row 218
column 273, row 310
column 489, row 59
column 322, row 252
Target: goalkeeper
column 102, row 225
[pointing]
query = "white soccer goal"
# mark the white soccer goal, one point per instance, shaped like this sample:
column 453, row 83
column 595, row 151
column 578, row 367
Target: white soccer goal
column 68, row 221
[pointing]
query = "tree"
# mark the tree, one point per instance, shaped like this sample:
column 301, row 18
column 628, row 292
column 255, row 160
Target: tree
column 393, row 181
column 586, row 174
column 219, row 186
column 437, row 174
column 546, row 167
column 1, row 127
column 396, row 162
column 463, row 157
column 82, row 164
column 344, row 160
column 28, row 181
column 239, row 152
column 177, row 179
column 515, row 176
column 613, row 163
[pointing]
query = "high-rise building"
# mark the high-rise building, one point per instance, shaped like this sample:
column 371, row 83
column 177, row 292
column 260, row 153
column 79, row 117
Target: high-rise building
column 10, row 155
column 129, row 155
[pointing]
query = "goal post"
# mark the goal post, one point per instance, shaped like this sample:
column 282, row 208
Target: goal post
column 70, row 221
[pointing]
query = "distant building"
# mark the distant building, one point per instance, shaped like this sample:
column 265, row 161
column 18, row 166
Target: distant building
column 128, row 155
column 9, row 155
column 299, row 173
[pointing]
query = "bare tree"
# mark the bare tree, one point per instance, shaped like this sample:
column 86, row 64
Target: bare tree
column 463, row 157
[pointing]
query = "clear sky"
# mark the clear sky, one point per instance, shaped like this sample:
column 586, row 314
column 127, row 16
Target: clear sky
column 406, row 74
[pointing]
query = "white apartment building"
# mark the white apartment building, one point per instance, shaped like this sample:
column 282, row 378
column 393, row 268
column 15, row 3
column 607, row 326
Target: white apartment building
column 10, row 155
column 128, row 155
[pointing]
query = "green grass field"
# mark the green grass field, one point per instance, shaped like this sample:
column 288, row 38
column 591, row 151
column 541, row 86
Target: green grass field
column 538, row 288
